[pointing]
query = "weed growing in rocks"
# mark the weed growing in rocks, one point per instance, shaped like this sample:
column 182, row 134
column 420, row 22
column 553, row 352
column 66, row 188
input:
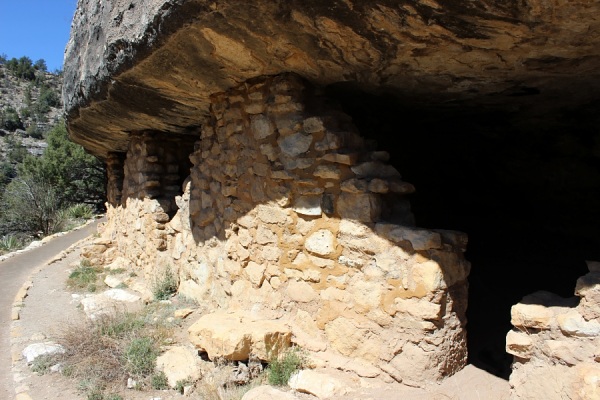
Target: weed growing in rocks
column 140, row 356
column 41, row 365
column 159, row 381
column 166, row 286
column 181, row 384
column 84, row 277
column 285, row 364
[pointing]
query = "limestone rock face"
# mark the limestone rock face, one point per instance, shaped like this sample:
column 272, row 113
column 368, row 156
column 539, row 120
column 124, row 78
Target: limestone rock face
column 171, row 55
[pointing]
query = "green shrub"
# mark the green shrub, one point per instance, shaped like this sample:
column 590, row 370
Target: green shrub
column 181, row 384
column 165, row 287
column 10, row 243
column 283, row 367
column 10, row 120
column 80, row 211
column 41, row 365
column 83, row 277
column 121, row 325
column 140, row 356
column 159, row 381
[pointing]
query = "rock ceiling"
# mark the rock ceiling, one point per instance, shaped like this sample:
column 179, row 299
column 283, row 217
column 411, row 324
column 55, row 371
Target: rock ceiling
column 152, row 64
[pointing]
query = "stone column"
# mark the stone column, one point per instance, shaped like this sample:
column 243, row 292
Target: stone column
column 115, row 173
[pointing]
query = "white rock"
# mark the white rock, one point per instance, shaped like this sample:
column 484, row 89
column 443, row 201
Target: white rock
column 321, row 243
column 572, row 323
column 308, row 205
column 121, row 295
column 271, row 214
column 313, row 125
column 320, row 384
column 110, row 302
column 359, row 207
column 255, row 273
column 328, row 172
column 36, row 350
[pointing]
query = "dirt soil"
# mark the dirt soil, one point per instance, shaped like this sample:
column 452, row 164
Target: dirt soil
column 49, row 307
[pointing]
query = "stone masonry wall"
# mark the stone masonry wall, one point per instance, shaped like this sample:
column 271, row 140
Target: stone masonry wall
column 290, row 216
column 556, row 343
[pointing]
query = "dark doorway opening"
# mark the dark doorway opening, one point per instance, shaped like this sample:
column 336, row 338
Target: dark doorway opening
column 523, row 183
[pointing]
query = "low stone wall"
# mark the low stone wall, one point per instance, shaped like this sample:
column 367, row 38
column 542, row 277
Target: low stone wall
column 289, row 215
column 556, row 343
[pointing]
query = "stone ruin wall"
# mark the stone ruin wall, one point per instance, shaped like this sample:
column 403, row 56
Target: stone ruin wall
column 289, row 215
column 556, row 343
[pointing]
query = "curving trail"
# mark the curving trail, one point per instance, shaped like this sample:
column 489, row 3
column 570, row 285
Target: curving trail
column 13, row 273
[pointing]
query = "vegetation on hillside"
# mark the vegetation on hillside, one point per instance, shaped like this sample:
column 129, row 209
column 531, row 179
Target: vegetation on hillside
column 45, row 179
column 35, row 200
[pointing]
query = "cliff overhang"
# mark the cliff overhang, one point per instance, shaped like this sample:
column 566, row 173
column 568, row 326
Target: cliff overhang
column 136, row 65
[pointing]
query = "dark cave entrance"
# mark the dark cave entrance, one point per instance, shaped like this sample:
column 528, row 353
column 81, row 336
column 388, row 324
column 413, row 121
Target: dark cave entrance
column 522, row 183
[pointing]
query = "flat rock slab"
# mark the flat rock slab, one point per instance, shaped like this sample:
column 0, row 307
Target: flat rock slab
column 110, row 302
column 235, row 337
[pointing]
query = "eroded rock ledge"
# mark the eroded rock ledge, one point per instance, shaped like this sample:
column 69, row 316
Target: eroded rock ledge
column 152, row 64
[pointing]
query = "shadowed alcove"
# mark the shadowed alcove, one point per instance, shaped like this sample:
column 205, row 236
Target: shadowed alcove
column 519, row 176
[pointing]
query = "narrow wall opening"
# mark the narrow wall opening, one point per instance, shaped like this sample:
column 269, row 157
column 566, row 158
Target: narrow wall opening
column 523, row 186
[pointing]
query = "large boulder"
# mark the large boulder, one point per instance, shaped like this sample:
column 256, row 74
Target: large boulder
column 235, row 336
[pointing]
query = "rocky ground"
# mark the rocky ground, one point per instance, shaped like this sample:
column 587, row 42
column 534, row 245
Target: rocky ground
column 50, row 307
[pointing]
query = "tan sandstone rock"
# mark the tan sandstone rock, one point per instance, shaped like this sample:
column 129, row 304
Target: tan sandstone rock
column 235, row 336
column 179, row 364
column 322, row 384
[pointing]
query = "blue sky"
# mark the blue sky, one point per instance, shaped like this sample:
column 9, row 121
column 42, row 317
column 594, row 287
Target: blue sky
column 36, row 29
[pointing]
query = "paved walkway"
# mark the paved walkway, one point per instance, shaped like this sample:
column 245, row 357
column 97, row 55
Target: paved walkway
column 13, row 273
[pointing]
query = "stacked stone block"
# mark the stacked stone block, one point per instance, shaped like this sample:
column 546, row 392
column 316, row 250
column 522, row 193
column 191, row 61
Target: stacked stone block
column 290, row 215
column 556, row 343
column 116, row 174
column 155, row 167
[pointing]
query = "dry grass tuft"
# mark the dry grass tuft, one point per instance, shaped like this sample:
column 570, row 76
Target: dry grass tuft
column 104, row 353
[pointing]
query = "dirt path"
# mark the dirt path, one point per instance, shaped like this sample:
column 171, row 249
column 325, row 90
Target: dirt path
column 14, row 271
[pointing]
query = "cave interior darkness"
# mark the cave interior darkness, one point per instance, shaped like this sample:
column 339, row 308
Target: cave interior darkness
column 522, row 182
